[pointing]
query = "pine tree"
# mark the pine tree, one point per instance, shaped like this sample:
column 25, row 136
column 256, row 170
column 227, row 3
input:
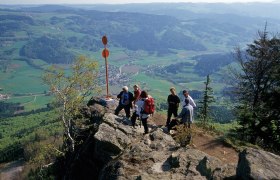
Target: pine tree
column 258, row 91
column 208, row 98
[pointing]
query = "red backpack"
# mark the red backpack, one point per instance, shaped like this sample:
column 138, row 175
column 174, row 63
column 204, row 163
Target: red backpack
column 149, row 106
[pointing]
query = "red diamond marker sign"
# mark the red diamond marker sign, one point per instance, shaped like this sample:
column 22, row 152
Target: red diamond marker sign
column 105, row 53
column 104, row 40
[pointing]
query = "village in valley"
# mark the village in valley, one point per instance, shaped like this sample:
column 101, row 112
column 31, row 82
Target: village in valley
column 3, row 96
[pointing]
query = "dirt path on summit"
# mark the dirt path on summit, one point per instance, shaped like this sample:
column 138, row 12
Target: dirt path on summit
column 214, row 147
column 204, row 142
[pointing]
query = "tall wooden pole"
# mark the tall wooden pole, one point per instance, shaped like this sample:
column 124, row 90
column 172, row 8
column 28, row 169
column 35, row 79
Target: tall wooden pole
column 107, row 81
column 105, row 54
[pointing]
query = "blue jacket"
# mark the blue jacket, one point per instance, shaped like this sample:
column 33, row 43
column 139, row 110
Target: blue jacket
column 130, row 98
column 186, row 114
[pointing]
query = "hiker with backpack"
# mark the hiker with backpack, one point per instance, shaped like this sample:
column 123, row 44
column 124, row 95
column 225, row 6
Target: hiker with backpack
column 186, row 116
column 125, row 102
column 173, row 103
column 145, row 107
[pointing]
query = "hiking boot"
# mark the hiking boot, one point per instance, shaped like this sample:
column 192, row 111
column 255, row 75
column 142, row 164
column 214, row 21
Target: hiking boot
column 145, row 133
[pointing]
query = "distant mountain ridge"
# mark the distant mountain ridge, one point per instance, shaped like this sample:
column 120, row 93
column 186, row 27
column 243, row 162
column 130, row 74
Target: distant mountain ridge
column 157, row 46
column 254, row 9
column 167, row 27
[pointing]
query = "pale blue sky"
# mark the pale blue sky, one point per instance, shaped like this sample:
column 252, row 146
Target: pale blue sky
column 118, row 1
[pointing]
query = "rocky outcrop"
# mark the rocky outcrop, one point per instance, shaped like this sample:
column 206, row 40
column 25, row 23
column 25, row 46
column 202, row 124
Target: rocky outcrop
column 128, row 154
column 258, row 164
column 157, row 156
column 115, row 150
column 112, row 138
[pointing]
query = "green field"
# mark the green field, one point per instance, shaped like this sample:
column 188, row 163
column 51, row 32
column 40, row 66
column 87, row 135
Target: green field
column 158, row 88
column 80, row 34
column 22, row 78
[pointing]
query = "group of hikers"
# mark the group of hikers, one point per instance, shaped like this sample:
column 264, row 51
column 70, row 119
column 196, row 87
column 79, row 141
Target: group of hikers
column 143, row 105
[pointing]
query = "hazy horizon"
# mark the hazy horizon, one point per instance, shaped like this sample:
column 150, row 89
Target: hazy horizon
column 21, row 2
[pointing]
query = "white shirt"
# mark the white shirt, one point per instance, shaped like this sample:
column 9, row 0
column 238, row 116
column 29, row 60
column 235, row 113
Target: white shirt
column 138, row 105
column 192, row 103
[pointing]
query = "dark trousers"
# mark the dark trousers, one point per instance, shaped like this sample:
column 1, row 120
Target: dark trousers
column 126, row 109
column 145, row 124
column 173, row 123
column 133, row 118
column 169, row 114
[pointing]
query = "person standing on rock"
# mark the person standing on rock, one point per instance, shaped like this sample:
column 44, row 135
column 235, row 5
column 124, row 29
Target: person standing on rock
column 125, row 102
column 136, row 102
column 137, row 93
column 173, row 103
column 140, row 110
